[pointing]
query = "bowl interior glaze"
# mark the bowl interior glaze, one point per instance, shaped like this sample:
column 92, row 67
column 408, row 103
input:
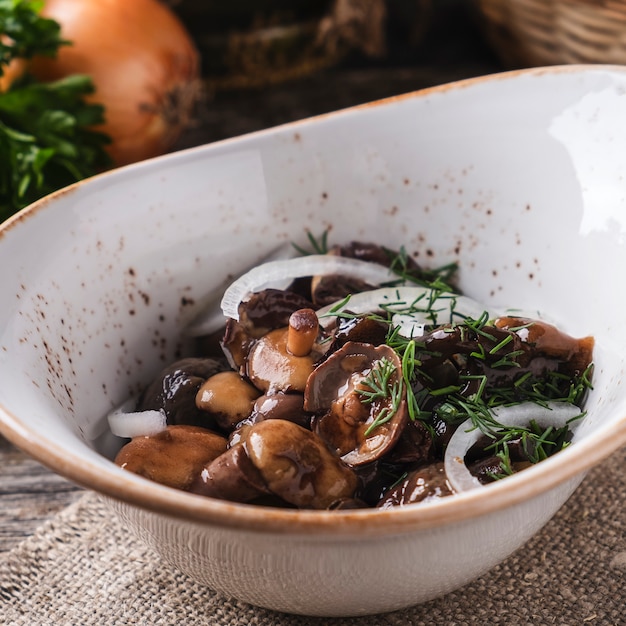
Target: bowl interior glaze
column 518, row 177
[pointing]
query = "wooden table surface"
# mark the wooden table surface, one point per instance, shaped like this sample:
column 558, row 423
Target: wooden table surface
column 452, row 49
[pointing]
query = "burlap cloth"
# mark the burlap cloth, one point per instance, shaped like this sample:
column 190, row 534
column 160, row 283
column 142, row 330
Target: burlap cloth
column 83, row 568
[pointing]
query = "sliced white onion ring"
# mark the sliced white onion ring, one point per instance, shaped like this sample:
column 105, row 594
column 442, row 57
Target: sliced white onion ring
column 428, row 307
column 128, row 424
column 556, row 414
column 266, row 275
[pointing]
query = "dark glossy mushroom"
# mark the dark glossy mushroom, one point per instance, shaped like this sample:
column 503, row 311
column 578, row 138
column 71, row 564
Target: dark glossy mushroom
column 483, row 462
column 423, row 484
column 231, row 476
column 367, row 251
column 415, row 445
column 285, row 406
column 328, row 289
column 263, row 312
column 174, row 390
column 283, row 359
column 546, row 339
column 297, row 466
column 376, row 478
column 173, row 457
column 359, row 329
column 228, row 398
column 502, row 354
column 359, row 426
column 282, row 406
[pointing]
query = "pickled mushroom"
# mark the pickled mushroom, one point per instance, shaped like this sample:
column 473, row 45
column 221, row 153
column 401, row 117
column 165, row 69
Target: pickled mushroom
column 286, row 406
column 227, row 397
column 175, row 388
column 297, row 466
column 263, row 312
column 423, row 484
column 173, row 457
column 283, row 359
column 231, row 476
column 342, row 391
column 390, row 397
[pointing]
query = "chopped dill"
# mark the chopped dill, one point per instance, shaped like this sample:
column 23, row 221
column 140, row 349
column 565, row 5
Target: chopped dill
column 490, row 363
column 319, row 245
column 380, row 387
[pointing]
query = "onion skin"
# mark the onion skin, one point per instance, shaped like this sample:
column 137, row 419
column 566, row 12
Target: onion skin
column 144, row 65
column 14, row 70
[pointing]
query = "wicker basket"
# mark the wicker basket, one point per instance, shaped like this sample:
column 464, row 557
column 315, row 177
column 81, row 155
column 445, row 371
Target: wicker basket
column 552, row 32
column 254, row 43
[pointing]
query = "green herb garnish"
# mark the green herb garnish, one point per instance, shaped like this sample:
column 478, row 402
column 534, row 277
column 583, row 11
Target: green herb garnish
column 319, row 245
column 46, row 136
column 378, row 386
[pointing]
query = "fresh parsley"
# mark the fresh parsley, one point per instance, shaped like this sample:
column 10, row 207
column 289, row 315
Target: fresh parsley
column 47, row 139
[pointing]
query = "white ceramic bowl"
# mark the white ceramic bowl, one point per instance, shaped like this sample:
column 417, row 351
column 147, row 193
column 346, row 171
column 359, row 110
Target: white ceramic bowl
column 519, row 177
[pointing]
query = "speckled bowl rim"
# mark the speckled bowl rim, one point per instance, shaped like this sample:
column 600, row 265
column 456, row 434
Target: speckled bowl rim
column 569, row 464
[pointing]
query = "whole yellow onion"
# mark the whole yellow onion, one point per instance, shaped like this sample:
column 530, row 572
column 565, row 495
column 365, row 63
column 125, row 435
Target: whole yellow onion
column 144, row 65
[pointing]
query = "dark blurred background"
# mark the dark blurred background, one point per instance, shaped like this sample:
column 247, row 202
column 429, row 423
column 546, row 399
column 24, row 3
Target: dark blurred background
column 266, row 62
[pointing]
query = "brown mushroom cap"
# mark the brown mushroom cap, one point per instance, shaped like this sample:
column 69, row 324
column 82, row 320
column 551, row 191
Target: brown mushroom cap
column 345, row 421
column 426, row 483
column 174, row 390
column 359, row 329
column 228, row 397
column 283, row 406
column 264, row 311
column 231, row 476
column 272, row 368
column 415, row 445
column 328, row 289
column 297, row 466
column 172, row 457
column 576, row 354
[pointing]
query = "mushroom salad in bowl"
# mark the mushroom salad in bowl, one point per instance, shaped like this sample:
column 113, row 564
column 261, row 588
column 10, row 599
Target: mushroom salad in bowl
column 367, row 382
column 357, row 420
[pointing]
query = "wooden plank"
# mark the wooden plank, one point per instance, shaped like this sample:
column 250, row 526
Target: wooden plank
column 29, row 494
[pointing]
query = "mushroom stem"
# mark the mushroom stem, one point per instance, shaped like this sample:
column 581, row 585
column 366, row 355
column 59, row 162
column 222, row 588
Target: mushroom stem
column 303, row 330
